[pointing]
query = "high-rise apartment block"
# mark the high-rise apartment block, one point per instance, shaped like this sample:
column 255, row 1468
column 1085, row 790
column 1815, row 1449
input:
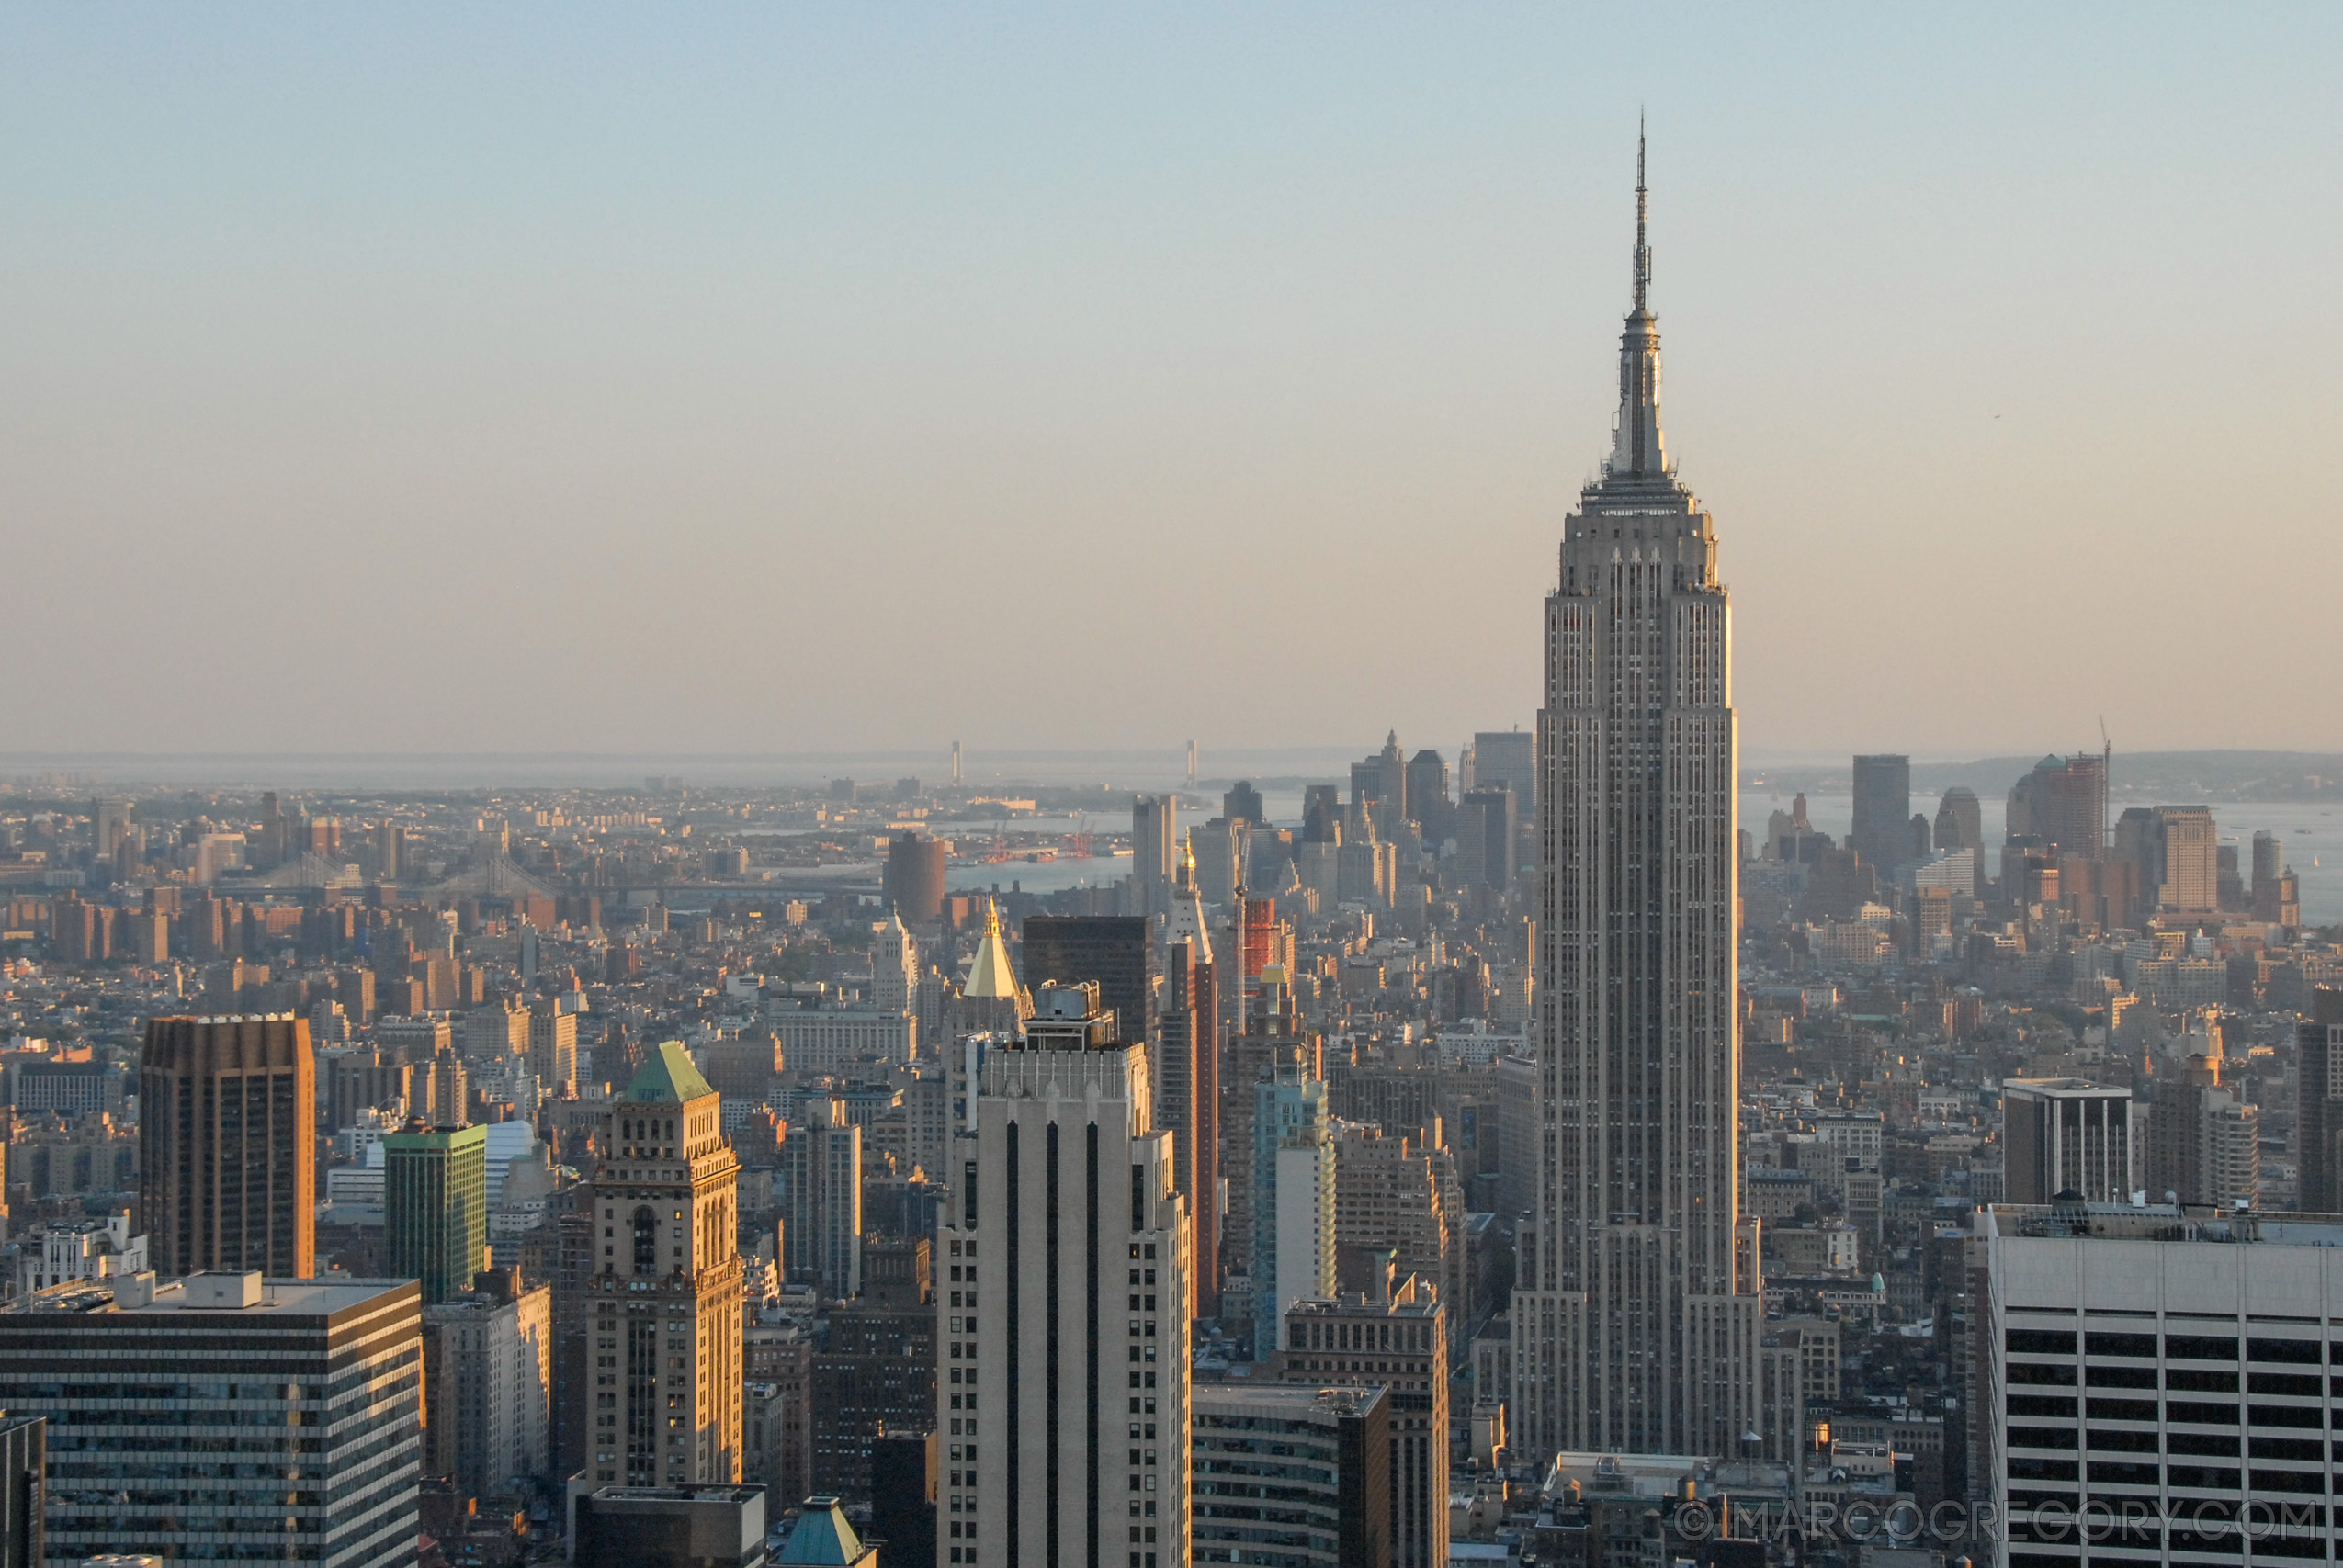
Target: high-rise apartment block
column 553, row 1049
column 1394, row 1336
column 500, row 1029
column 874, row 1374
column 1322, row 1454
column 821, row 1200
column 1637, row 1314
column 1063, row 1403
column 2065, row 1135
column 435, row 1206
column 2203, row 1141
column 780, row 1369
column 1293, row 1195
column 223, row 1417
column 1396, row 1194
column 488, row 1362
column 664, row 1292
column 227, row 1145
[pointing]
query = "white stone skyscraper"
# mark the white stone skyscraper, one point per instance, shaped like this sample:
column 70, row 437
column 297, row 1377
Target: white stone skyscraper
column 1637, row 1326
column 1062, row 1391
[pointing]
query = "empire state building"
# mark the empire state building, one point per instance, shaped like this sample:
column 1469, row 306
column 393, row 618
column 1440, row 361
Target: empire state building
column 1637, row 1328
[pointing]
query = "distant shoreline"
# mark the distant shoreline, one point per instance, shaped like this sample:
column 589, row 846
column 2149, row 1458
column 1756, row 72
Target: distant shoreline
column 2167, row 776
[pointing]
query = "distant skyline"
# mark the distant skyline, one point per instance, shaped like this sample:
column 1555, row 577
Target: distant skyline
column 829, row 380
column 2218, row 777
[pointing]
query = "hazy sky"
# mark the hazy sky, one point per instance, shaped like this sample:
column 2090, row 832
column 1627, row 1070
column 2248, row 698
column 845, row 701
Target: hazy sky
column 790, row 377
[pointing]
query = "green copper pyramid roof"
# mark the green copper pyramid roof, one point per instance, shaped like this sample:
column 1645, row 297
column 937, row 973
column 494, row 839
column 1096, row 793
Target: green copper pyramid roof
column 667, row 1077
column 823, row 1536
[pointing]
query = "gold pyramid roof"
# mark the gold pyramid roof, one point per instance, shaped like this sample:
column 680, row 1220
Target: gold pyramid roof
column 989, row 972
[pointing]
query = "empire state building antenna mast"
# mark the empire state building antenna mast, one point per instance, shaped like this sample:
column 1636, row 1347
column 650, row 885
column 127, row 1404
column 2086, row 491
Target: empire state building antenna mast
column 1643, row 206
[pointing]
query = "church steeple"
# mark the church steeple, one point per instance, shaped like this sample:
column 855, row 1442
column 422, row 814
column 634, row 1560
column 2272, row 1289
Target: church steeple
column 1637, row 449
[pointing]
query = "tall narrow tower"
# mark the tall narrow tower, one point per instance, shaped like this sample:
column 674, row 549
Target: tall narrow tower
column 1154, row 854
column 821, row 1200
column 1637, row 1329
column 665, row 1290
column 1185, row 1074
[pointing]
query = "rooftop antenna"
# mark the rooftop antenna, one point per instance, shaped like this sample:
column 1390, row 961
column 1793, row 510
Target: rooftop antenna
column 1643, row 251
column 2106, row 788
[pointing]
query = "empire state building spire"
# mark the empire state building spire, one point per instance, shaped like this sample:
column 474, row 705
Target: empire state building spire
column 1637, row 449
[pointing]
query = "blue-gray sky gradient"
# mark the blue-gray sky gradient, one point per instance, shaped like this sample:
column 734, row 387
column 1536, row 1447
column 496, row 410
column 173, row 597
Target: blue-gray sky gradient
column 776, row 379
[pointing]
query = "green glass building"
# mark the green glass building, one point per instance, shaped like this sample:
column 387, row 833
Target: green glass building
column 434, row 1207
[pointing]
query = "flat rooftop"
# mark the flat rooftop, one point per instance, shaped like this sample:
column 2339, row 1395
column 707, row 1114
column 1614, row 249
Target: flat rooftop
column 1289, row 1400
column 278, row 1298
column 714, row 1494
column 1660, row 1475
column 2158, row 1222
